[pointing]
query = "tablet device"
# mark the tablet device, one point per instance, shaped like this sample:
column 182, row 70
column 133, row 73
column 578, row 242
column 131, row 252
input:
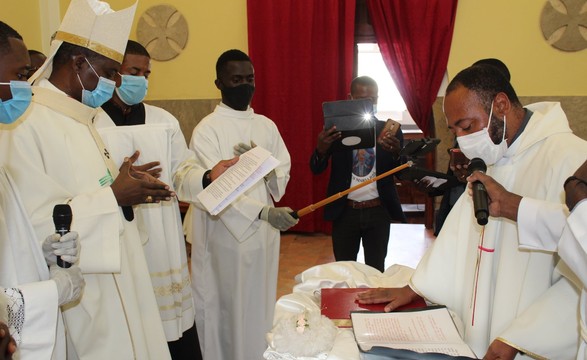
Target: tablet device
column 436, row 180
column 419, row 147
column 354, row 119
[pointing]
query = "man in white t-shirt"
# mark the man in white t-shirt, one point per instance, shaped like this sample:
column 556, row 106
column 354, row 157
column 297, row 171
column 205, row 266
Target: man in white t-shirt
column 364, row 214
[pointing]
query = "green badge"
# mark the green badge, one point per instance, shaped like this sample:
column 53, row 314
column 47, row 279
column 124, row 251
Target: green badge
column 106, row 179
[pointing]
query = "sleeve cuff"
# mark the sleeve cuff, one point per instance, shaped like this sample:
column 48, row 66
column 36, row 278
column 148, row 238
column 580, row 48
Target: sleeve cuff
column 206, row 180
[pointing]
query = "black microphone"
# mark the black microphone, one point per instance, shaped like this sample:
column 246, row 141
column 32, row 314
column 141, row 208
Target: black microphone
column 480, row 204
column 62, row 220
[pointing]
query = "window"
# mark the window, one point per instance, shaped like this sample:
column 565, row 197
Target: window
column 390, row 103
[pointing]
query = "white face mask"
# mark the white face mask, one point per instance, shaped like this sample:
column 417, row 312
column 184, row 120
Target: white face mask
column 480, row 145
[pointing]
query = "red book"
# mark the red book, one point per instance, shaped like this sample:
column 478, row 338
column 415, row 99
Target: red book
column 337, row 304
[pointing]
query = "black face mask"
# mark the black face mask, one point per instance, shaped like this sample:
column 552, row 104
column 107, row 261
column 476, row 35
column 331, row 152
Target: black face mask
column 238, row 97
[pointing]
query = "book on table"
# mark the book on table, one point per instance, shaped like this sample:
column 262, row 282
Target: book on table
column 429, row 330
column 338, row 303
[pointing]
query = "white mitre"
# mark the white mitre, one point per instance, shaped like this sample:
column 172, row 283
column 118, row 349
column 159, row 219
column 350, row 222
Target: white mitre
column 94, row 25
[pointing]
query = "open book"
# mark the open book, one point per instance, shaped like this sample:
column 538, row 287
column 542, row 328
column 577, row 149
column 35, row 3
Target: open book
column 429, row 330
column 251, row 167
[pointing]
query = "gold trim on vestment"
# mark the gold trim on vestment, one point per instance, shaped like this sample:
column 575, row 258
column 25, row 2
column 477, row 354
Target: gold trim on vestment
column 173, row 288
column 176, row 305
column 169, row 272
column 89, row 44
column 529, row 353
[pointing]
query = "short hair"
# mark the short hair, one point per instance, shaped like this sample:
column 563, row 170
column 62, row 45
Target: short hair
column 486, row 81
column 135, row 48
column 363, row 80
column 7, row 32
column 229, row 55
column 497, row 64
column 67, row 50
column 35, row 52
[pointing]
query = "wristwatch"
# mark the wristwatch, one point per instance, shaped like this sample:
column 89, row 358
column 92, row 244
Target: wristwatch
column 206, row 179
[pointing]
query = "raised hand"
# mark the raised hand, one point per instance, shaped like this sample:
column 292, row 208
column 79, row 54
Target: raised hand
column 390, row 143
column 326, row 138
column 150, row 168
column 133, row 187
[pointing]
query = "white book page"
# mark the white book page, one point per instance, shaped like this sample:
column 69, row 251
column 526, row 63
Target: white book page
column 421, row 331
column 250, row 168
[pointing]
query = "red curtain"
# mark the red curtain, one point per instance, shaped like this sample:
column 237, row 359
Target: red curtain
column 302, row 51
column 414, row 38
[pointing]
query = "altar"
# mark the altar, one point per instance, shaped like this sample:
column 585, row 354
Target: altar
column 305, row 297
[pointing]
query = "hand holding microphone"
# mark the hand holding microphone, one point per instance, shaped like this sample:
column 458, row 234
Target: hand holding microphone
column 61, row 251
column 502, row 203
column 480, row 204
column 65, row 247
column 61, row 248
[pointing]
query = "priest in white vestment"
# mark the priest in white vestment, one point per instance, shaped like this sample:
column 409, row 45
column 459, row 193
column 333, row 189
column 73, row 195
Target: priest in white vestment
column 33, row 294
column 235, row 254
column 57, row 157
column 572, row 248
column 31, row 290
column 128, row 124
column 512, row 302
column 546, row 226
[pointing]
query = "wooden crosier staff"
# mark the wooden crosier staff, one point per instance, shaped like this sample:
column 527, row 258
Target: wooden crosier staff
column 308, row 209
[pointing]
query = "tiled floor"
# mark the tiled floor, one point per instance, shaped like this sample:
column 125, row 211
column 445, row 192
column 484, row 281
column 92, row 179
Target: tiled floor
column 407, row 244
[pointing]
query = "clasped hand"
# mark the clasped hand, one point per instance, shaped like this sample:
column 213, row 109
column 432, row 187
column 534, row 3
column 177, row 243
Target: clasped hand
column 135, row 186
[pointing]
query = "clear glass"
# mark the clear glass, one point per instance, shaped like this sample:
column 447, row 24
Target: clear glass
column 390, row 103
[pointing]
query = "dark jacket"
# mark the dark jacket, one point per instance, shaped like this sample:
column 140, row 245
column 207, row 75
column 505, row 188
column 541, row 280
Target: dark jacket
column 340, row 178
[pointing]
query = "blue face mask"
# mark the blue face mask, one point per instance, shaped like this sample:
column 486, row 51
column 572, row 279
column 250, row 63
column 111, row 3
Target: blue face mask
column 133, row 89
column 102, row 93
column 11, row 110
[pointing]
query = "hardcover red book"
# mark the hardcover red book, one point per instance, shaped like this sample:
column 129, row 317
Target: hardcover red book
column 337, row 304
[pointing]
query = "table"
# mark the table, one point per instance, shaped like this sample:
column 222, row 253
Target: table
column 306, row 297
